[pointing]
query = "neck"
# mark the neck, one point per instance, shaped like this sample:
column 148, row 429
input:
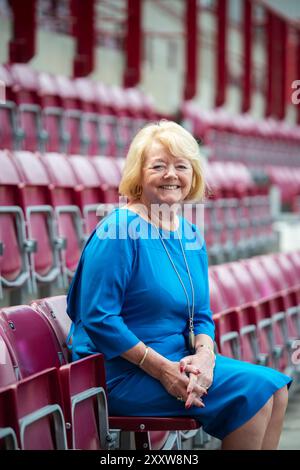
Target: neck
column 162, row 215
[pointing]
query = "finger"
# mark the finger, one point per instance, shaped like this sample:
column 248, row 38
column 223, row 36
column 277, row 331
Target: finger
column 200, row 390
column 193, row 399
column 191, row 369
column 194, row 386
column 192, row 383
column 183, row 364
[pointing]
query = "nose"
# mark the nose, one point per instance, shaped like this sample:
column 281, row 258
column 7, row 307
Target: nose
column 170, row 172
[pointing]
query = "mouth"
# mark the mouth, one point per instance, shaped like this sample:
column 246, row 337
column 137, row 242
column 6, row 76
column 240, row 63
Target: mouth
column 169, row 187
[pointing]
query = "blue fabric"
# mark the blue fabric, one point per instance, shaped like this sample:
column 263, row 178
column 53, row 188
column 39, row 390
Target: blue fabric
column 125, row 290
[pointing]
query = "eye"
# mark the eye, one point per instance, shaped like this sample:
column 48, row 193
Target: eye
column 158, row 167
column 182, row 167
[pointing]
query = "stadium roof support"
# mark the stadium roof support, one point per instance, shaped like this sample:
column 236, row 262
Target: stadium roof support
column 247, row 45
column 133, row 43
column 191, row 49
column 22, row 44
column 84, row 33
column 221, row 53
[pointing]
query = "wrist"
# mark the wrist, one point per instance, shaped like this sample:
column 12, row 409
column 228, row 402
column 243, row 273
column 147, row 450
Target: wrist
column 154, row 364
column 205, row 349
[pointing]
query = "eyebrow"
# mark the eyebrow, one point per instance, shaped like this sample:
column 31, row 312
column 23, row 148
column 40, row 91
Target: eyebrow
column 179, row 160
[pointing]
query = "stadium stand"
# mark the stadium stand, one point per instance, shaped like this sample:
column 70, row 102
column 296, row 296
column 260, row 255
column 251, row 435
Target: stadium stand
column 63, row 143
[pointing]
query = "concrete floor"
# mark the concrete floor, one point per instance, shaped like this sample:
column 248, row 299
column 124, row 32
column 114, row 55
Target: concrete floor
column 290, row 437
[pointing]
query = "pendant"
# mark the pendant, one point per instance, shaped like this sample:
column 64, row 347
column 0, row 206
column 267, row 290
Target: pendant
column 192, row 341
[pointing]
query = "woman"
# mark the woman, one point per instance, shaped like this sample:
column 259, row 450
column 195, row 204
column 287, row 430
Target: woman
column 141, row 297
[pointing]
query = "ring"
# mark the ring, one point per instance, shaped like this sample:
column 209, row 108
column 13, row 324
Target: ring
column 180, row 398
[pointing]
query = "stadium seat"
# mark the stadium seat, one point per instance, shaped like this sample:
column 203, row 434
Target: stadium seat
column 85, row 405
column 271, row 314
column 30, row 339
column 45, row 260
column 63, row 199
column 90, row 118
column 72, row 115
column 109, row 174
column 14, row 265
column 25, row 88
column 7, row 369
column 34, row 415
column 10, row 134
column 54, row 309
column 90, row 191
column 56, row 138
column 8, row 420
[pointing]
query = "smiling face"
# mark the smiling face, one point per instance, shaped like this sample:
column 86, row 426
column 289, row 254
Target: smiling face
column 165, row 179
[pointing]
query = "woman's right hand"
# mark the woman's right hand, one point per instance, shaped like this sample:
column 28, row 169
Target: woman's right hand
column 176, row 383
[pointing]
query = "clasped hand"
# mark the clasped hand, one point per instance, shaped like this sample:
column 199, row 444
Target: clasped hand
column 190, row 379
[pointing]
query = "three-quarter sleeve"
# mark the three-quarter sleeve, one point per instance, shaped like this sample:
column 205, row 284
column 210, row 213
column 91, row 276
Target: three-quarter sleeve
column 203, row 321
column 106, row 271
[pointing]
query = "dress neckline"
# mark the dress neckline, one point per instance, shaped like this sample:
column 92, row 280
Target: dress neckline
column 150, row 223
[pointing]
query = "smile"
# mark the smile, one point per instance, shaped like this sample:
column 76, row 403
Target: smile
column 170, row 187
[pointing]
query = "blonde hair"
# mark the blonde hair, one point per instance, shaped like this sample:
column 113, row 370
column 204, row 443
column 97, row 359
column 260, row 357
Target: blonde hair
column 178, row 141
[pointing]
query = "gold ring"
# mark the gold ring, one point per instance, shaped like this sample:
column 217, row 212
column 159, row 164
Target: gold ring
column 180, row 398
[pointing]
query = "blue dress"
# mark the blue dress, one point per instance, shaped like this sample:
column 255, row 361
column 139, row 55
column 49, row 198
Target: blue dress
column 125, row 290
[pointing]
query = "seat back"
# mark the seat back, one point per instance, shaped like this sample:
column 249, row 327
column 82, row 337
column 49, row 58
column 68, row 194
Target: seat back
column 10, row 180
column 8, row 420
column 31, row 340
column 109, row 175
column 84, row 392
column 54, row 309
column 89, row 193
column 234, row 297
column 35, row 193
column 244, row 281
column 39, row 410
column 7, row 369
column 69, row 225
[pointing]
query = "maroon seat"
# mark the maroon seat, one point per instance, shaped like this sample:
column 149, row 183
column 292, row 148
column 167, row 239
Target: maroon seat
column 225, row 317
column 34, row 412
column 90, row 191
column 54, row 309
column 86, row 93
column 31, row 340
column 253, row 342
column 14, row 265
column 56, row 139
column 85, row 404
column 25, row 88
column 36, row 204
column 271, row 312
column 107, row 119
column 72, row 115
column 68, row 216
column 109, row 174
column 7, row 369
column 8, row 420
column 9, row 132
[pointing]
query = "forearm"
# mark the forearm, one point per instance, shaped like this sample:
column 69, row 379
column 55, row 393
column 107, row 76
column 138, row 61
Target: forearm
column 203, row 340
column 153, row 363
column 204, row 346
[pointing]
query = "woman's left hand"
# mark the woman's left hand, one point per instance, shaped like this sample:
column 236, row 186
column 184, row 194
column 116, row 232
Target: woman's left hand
column 204, row 361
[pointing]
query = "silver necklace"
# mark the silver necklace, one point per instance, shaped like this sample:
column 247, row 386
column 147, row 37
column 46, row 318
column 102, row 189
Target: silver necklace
column 190, row 309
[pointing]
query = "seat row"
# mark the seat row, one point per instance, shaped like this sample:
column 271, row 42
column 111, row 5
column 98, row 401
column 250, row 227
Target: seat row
column 50, row 203
column 243, row 138
column 57, row 114
column 47, row 402
column 257, row 309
